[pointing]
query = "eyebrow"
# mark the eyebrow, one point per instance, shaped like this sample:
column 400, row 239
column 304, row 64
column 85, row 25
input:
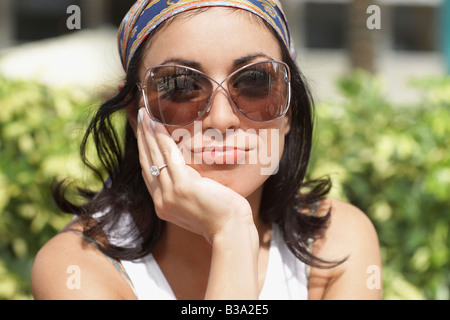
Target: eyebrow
column 246, row 59
column 197, row 65
column 184, row 62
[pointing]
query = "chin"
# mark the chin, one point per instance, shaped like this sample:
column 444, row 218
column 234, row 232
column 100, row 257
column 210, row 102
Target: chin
column 244, row 179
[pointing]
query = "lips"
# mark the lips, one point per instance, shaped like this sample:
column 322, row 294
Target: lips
column 221, row 154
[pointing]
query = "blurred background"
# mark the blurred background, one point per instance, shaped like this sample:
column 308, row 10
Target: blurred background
column 382, row 121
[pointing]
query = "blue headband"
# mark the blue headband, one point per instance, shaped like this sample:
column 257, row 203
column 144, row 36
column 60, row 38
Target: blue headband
column 146, row 15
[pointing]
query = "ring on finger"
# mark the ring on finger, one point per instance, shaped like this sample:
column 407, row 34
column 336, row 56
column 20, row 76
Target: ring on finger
column 156, row 171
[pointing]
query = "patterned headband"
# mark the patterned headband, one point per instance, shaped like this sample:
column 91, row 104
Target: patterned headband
column 146, row 15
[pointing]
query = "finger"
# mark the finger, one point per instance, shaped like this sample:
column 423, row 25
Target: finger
column 155, row 157
column 148, row 153
column 147, row 129
column 171, row 154
column 153, row 184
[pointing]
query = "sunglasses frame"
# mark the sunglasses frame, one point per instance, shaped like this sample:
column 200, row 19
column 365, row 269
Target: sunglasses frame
column 143, row 88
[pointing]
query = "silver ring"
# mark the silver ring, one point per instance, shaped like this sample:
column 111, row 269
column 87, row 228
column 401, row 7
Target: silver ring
column 156, row 171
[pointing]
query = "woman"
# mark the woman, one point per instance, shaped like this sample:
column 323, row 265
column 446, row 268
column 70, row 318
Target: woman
column 204, row 201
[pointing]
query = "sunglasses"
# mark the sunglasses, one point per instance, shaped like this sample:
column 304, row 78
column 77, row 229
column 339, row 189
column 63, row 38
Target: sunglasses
column 177, row 95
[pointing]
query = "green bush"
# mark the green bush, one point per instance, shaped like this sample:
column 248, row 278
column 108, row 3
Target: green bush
column 393, row 162
column 40, row 130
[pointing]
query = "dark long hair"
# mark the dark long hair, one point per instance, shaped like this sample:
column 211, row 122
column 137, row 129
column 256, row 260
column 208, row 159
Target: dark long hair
column 287, row 198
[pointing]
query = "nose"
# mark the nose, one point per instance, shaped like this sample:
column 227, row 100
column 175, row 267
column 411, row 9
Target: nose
column 221, row 114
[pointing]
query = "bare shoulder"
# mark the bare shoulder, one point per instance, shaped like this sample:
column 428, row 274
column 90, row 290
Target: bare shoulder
column 347, row 221
column 68, row 267
column 351, row 238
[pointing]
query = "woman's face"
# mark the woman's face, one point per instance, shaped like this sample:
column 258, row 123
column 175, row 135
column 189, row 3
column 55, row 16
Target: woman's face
column 222, row 145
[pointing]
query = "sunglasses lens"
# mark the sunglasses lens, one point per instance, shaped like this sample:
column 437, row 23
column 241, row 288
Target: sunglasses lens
column 261, row 91
column 177, row 95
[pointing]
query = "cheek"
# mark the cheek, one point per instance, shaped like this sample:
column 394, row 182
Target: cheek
column 271, row 147
column 244, row 179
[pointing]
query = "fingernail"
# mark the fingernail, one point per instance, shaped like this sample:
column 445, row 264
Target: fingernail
column 140, row 116
column 153, row 124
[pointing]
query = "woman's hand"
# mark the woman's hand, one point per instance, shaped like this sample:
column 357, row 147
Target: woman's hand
column 203, row 206
column 181, row 196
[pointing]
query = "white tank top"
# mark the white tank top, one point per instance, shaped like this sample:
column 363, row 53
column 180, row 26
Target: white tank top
column 286, row 277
